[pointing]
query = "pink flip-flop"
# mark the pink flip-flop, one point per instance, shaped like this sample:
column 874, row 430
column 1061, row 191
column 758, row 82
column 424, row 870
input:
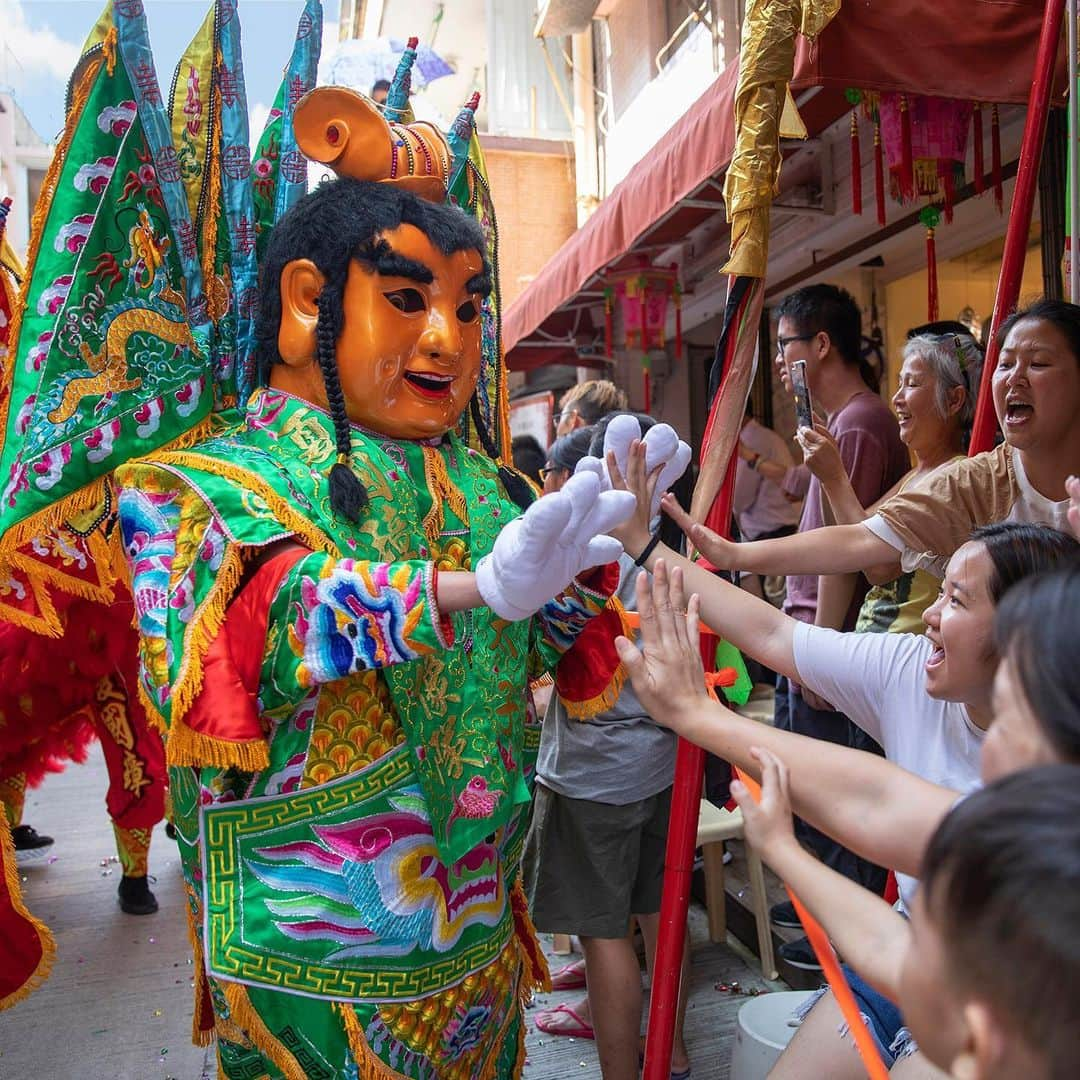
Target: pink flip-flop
column 550, row 1023
column 570, row 977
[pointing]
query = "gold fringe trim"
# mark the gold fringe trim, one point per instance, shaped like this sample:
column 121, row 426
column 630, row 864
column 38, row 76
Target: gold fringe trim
column 108, row 46
column 245, row 1017
column 284, row 512
column 199, row 1036
column 443, row 493
column 56, row 516
column 205, row 625
column 79, row 98
column 157, row 721
column 536, row 974
column 191, row 747
column 101, row 591
column 212, row 206
column 522, row 1053
column 185, row 747
column 587, row 709
column 47, row 623
column 48, row 942
column 370, row 1065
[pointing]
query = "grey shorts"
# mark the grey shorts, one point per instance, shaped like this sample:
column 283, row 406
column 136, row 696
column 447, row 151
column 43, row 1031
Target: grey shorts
column 589, row 866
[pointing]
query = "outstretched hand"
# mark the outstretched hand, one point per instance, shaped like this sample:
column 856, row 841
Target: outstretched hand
column 665, row 459
column 538, row 554
column 720, row 552
column 635, row 532
column 666, row 670
column 768, row 823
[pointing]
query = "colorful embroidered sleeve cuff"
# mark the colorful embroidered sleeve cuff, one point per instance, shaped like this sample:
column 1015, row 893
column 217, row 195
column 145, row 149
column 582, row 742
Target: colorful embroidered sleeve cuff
column 333, row 617
column 561, row 620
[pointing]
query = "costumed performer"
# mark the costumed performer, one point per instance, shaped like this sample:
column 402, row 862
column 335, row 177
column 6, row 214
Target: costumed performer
column 340, row 602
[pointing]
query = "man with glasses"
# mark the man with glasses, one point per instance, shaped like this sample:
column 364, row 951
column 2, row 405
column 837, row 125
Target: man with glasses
column 822, row 325
column 585, row 403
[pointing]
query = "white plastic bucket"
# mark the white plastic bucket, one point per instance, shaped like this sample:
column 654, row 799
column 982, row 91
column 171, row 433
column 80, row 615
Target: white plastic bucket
column 763, row 1032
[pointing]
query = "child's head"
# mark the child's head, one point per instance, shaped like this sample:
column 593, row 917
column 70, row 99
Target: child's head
column 991, row 981
column 1037, row 685
column 1036, row 383
column 960, row 622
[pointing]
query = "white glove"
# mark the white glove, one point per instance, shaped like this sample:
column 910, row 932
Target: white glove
column 662, row 447
column 538, row 554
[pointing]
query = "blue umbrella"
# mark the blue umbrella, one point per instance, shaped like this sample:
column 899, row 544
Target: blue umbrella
column 429, row 63
column 360, row 64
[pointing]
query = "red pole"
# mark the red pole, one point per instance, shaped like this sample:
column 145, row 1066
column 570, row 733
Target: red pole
column 1016, row 233
column 682, row 825
column 679, row 856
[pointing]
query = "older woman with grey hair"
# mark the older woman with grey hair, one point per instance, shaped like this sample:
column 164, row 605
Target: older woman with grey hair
column 935, row 405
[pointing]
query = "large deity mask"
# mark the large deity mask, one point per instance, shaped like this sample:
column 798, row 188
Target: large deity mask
column 405, row 277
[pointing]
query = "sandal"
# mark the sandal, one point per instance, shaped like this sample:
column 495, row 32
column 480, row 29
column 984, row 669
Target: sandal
column 563, row 1020
column 570, row 977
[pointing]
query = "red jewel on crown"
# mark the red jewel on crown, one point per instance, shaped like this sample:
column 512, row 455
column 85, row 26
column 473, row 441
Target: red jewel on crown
column 333, row 135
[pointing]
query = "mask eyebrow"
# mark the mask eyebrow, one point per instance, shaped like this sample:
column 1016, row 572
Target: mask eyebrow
column 379, row 256
column 480, row 284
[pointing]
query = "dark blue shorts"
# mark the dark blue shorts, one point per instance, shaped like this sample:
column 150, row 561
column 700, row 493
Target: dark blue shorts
column 883, row 1018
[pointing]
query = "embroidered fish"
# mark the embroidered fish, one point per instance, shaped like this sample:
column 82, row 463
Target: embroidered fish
column 475, row 801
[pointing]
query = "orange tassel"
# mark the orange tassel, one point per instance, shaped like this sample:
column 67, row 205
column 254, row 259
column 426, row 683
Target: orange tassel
column 856, row 167
column 980, row 162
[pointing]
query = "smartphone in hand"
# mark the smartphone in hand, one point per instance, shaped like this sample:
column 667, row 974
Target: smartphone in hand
column 804, row 411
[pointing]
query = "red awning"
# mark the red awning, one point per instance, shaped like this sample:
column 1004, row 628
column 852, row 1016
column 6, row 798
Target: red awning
column 979, row 50
column 685, row 159
column 975, row 50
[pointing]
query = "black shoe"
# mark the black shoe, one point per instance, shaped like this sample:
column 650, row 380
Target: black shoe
column 30, row 845
column 136, row 897
column 785, row 915
column 799, row 954
column 170, row 830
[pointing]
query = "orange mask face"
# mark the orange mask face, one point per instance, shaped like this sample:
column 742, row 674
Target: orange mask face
column 409, row 353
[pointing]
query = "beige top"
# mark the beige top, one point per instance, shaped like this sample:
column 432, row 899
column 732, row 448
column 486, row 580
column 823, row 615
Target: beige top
column 929, row 520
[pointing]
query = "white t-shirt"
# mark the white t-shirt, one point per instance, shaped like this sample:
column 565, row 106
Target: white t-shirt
column 879, row 682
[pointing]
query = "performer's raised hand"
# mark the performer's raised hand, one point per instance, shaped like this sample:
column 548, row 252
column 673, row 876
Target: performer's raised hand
column 561, row 535
column 666, row 670
column 665, row 453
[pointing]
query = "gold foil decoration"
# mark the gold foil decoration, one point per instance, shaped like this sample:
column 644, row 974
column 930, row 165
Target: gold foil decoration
column 762, row 98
